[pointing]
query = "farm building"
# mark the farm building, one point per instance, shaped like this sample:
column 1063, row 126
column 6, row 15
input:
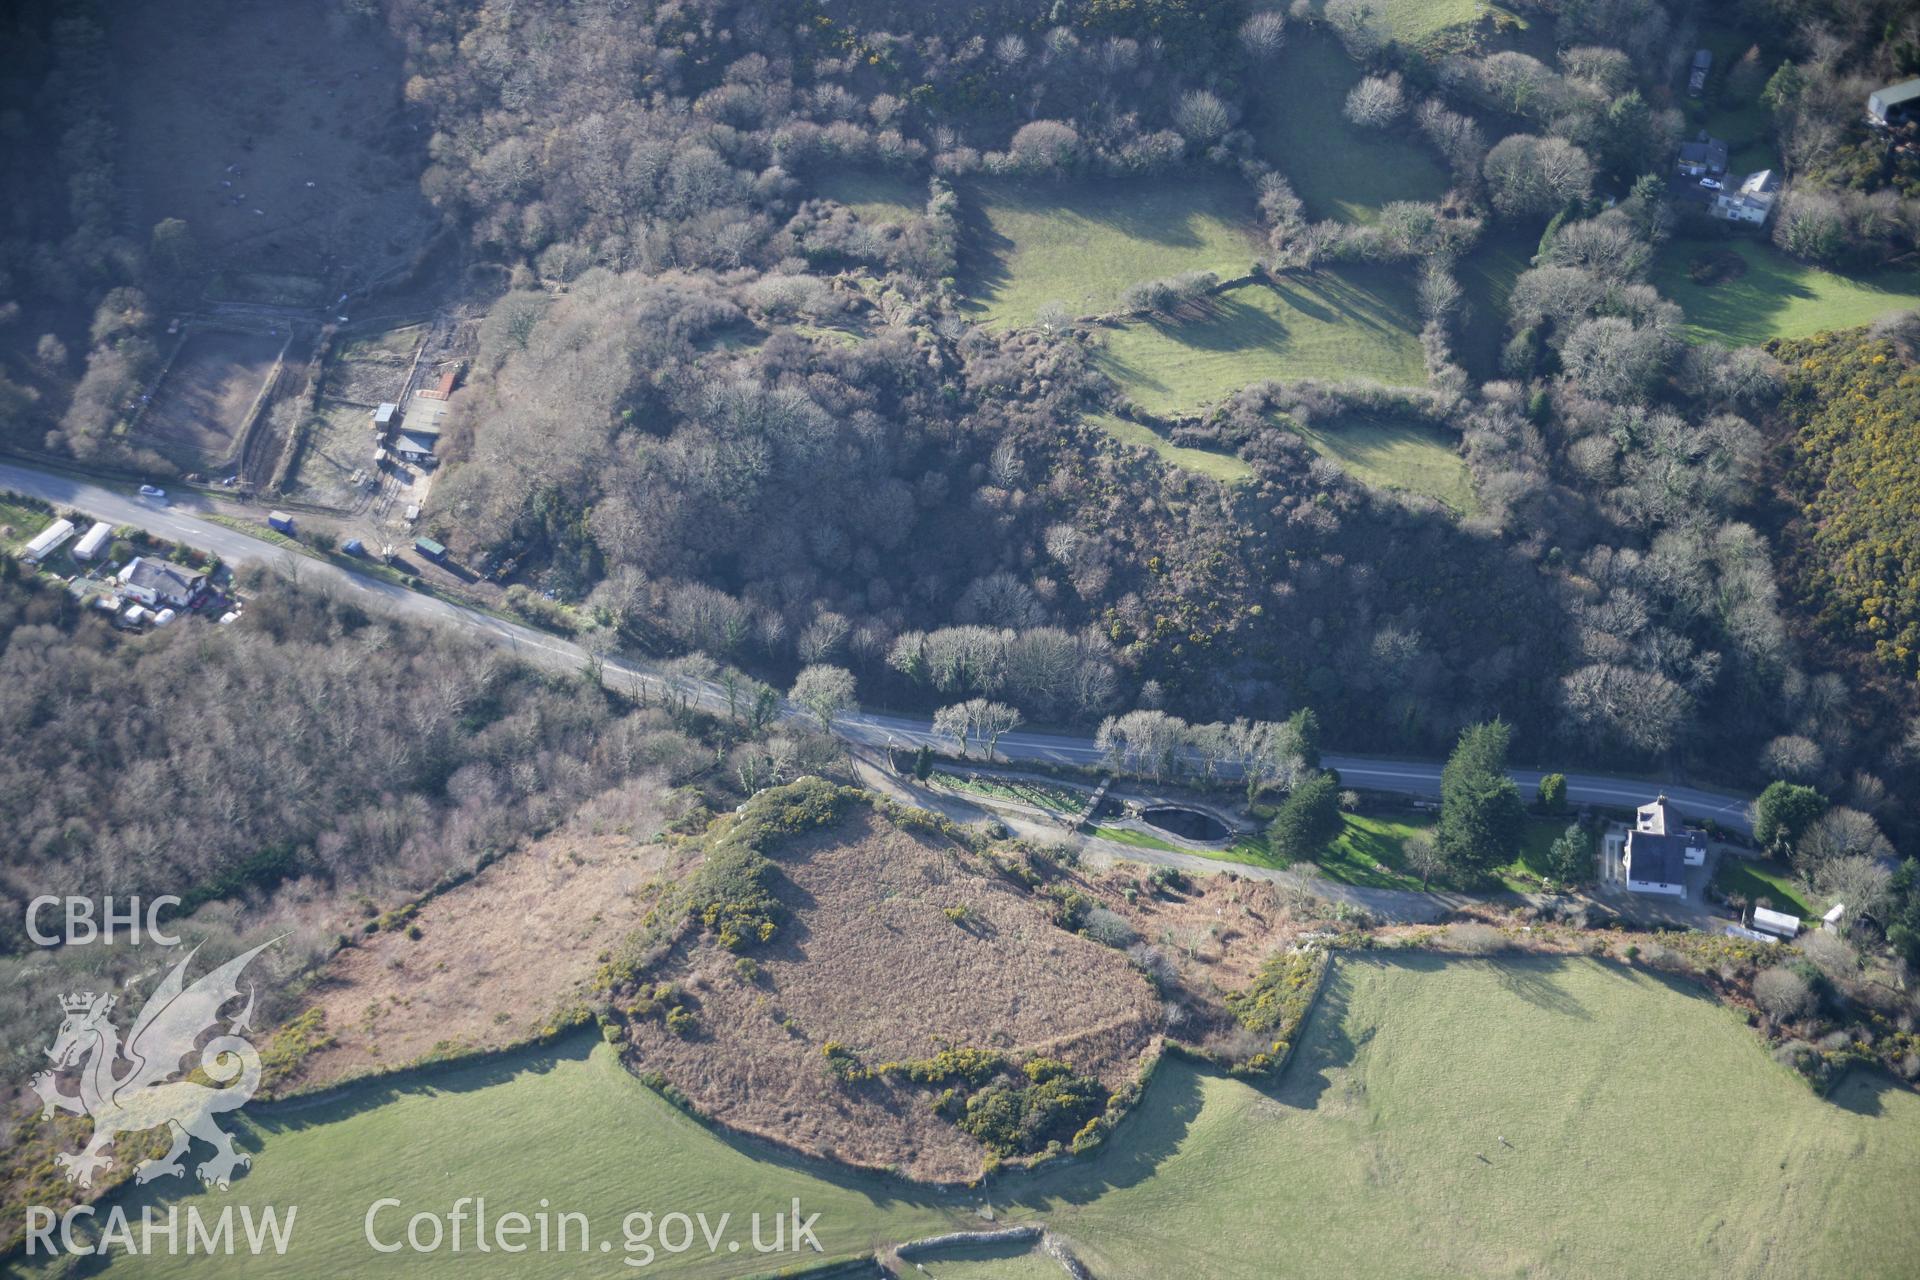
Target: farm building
column 432, row 550
column 1894, row 104
column 1659, row 850
column 1752, row 201
column 47, row 541
column 92, row 541
column 161, row 582
column 1778, row 923
column 414, row 448
column 386, row 416
column 443, row 389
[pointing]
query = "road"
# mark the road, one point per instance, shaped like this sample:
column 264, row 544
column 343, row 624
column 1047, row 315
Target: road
column 175, row 519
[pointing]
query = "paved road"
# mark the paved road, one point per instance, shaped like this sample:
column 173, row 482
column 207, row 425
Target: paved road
column 175, row 519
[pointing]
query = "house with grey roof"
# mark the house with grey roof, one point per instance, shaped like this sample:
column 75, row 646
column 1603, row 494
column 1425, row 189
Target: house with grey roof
column 1704, row 157
column 1750, row 202
column 161, row 583
column 1660, row 848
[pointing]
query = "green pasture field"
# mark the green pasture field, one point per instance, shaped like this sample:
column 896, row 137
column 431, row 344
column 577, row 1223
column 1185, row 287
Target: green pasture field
column 874, row 197
column 1396, row 453
column 1533, row 1116
column 1356, row 322
column 1081, row 243
column 1223, row 467
column 1338, row 169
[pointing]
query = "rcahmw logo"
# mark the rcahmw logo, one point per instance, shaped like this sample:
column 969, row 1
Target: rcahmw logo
column 137, row 1084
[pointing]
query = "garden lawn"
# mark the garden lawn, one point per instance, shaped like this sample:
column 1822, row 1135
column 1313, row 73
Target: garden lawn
column 1081, row 243
column 1754, row 879
column 1777, row 297
column 1338, row 169
column 1396, row 453
column 25, row 522
column 1356, row 323
column 1371, row 851
column 1141, row 840
column 1647, row 1134
column 874, row 197
column 1223, row 467
column 1043, row 795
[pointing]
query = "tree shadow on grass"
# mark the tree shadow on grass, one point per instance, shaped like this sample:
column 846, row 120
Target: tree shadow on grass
column 1131, row 1154
column 1227, row 323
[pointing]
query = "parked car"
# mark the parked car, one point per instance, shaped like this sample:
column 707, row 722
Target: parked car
column 152, row 491
column 1710, row 184
column 354, row 547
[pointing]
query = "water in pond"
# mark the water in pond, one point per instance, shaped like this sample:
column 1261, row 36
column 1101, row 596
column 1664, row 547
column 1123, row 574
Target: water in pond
column 1190, row 823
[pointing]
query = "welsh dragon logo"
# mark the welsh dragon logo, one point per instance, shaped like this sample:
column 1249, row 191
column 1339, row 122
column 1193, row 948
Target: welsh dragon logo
column 144, row 1094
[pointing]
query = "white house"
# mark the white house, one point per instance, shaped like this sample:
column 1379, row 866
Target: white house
column 160, row 583
column 1659, row 850
column 92, row 541
column 47, row 541
column 1776, row 922
column 1752, row 201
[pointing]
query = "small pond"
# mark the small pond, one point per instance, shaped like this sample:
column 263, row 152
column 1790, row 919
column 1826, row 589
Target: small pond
column 1190, row 824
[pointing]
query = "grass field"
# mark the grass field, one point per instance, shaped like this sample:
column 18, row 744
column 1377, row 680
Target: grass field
column 990, row 1262
column 1082, row 243
column 1486, row 276
column 568, row 1124
column 1776, row 297
column 1754, row 879
column 1223, row 467
column 1415, row 23
column 1394, row 453
column 1353, row 322
column 1337, row 168
column 874, row 197
column 1647, row 1134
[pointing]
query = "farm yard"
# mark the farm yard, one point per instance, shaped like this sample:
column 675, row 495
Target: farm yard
column 1395, row 453
column 201, row 407
column 1524, row 1116
column 1346, row 323
column 1082, row 242
column 1338, row 169
column 339, row 444
column 373, row 371
column 1740, row 292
